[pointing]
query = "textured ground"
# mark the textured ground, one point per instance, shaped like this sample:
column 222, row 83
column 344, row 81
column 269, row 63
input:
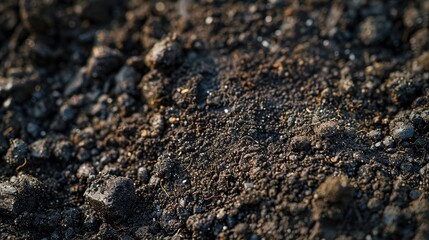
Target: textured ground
column 214, row 119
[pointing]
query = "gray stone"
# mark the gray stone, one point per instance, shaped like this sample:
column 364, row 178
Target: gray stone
column 64, row 150
column 126, row 80
column 300, row 143
column 402, row 130
column 41, row 148
column 327, row 129
column 17, row 153
column 165, row 53
column 103, row 61
column 403, row 87
column 21, row 194
column 112, row 197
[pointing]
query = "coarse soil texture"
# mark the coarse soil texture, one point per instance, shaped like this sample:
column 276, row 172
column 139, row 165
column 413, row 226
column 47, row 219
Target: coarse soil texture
column 137, row 119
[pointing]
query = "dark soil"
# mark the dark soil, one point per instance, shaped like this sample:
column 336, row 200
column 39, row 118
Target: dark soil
column 214, row 119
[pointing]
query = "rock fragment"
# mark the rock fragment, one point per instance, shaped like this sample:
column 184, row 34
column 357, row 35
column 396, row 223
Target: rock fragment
column 401, row 130
column 126, row 80
column 76, row 82
column 327, row 129
column 103, row 61
column 165, row 167
column 419, row 117
column 403, row 87
column 21, row 194
column 84, row 171
column 333, row 198
column 391, row 218
column 153, row 88
column 64, row 150
column 17, row 153
column 374, row 30
column 165, row 53
column 41, row 148
column 300, row 143
column 112, row 197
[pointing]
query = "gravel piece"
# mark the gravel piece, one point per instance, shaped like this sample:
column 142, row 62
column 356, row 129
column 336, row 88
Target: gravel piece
column 64, row 150
column 300, row 143
column 420, row 117
column 388, row 142
column 21, row 194
column 33, row 129
column 41, row 148
column 403, row 87
column 126, row 80
column 376, row 135
column 165, row 53
column 401, row 130
column 111, row 197
column 67, row 113
column 143, row 174
column 84, row 171
column 327, row 129
column 332, row 199
column 153, row 88
column 374, row 30
column 76, row 82
column 103, row 61
column 374, row 204
column 165, row 167
column 241, row 231
column 17, row 153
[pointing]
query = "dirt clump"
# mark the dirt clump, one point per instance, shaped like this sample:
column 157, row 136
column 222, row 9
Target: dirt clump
column 214, row 119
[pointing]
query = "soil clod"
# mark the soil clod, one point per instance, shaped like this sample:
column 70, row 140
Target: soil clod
column 111, row 197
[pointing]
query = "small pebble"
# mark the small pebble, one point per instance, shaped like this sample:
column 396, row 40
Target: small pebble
column 103, row 61
column 402, row 131
column 64, row 150
column 403, row 87
column 23, row 193
column 388, row 142
column 84, row 171
column 374, row 30
column 327, row 129
column 166, row 53
column 300, row 143
column 111, row 197
column 17, row 153
column 41, row 148
column 376, row 135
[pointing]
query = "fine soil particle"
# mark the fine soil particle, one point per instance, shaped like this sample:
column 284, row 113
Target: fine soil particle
column 210, row 119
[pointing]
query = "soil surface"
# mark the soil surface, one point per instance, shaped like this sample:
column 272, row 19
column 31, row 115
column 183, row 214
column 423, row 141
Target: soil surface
column 214, row 119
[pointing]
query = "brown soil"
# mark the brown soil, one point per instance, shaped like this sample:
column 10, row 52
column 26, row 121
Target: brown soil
column 214, row 119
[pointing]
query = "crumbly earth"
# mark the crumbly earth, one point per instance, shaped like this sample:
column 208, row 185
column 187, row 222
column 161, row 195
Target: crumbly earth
column 214, row 119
